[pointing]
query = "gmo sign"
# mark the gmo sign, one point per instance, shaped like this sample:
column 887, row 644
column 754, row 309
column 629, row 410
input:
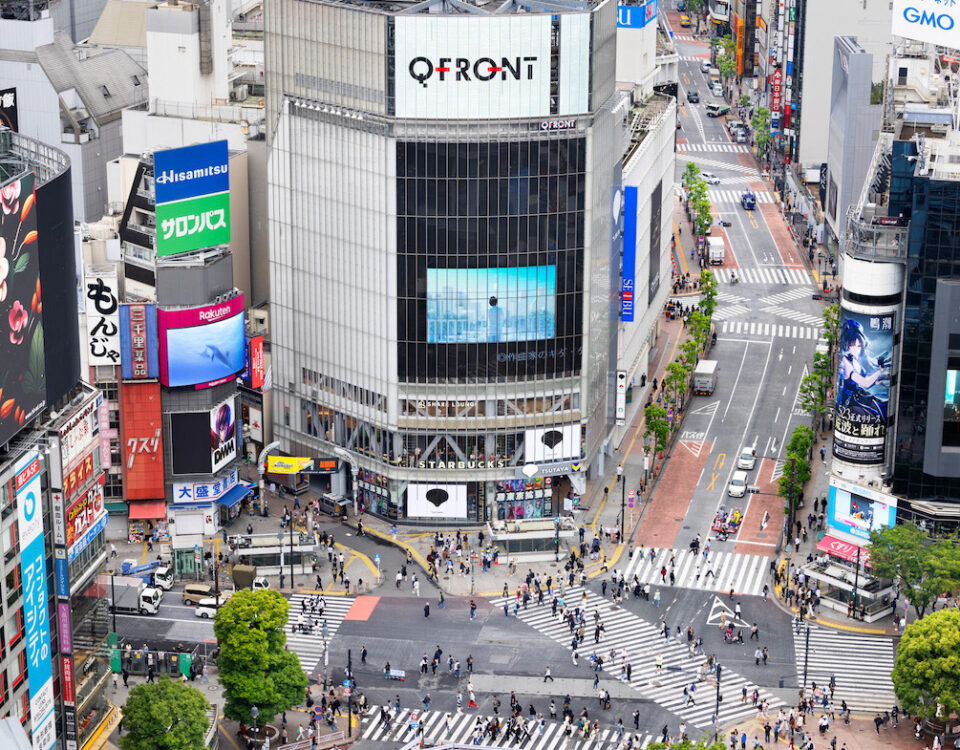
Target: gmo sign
column 931, row 21
column 942, row 21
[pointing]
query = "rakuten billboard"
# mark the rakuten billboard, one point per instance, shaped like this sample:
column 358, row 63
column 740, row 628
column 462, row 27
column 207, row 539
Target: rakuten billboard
column 489, row 67
column 201, row 346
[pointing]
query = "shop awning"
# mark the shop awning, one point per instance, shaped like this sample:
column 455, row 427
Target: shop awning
column 844, row 550
column 147, row 510
column 234, row 495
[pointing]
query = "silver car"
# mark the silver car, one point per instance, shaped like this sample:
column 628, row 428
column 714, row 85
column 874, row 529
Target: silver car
column 738, row 484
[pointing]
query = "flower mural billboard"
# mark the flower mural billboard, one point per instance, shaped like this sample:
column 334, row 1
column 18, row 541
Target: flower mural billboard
column 22, row 367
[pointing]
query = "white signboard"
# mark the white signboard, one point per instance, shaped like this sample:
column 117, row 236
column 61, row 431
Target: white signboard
column 621, row 402
column 203, row 492
column 255, row 426
column 78, row 433
column 933, row 21
column 452, row 67
column 551, row 443
column 437, row 501
column 102, row 300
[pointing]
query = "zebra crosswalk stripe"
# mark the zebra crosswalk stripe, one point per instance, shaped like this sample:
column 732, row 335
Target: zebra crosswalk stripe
column 463, row 730
column 746, row 328
column 779, row 297
column 860, row 663
column 730, row 311
column 746, row 573
column 728, row 148
column 764, row 275
column 786, row 312
column 641, row 641
column 310, row 646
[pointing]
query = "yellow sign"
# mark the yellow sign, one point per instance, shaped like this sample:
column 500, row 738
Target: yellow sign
column 287, row 465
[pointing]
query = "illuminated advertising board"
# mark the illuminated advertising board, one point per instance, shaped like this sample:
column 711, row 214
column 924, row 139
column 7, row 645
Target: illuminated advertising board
column 80, row 431
column 488, row 305
column 192, row 197
column 863, row 387
column 194, row 492
column 77, row 478
column 142, row 443
column 552, row 443
column 436, row 500
column 934, row 21
column 34, row 578
column 83, row 514
column 9, row 113
column 857, row 510
column 223, row 435
column 22, row 359
column 628, row 280
column 201, row 346
column 255, row 366
column 139, row 359
column 102, row 303
column 636, row 16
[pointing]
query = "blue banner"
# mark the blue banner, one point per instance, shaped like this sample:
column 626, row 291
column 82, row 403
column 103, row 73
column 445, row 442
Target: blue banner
column 81, row 544
column 191, row 172
column 636, row 16
column 60, row 568
column 628, row 284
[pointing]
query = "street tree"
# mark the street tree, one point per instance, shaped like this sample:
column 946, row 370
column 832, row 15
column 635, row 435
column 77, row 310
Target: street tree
column 699, row 326
column 708, row 292
column 695, row 9
column 926, row 673
column 703, row 743
column 165, row 715
column 796, row 469
column 254, row 667
column 689, row 354
column 924, row 567
column 831, row 324
column 728, row 67
column 760, row 122
column 744, row 101
column 675, row 382
column 657, row 426
column 815, row 387
column 691, row 174
column 703, row 215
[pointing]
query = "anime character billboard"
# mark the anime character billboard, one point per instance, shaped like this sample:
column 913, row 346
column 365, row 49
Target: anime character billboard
column 864, row 354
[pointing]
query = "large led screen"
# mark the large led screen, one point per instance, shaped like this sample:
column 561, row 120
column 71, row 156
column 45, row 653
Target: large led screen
column 202, row 346
column 22, row 358
column 859, row 510
column 487, row 305
column 863, row 386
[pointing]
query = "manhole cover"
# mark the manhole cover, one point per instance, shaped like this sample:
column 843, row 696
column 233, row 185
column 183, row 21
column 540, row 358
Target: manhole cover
column 212, row 688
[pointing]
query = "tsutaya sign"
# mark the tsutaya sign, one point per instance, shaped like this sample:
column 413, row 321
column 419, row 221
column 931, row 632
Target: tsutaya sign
column 193, row 197
column 934, row 21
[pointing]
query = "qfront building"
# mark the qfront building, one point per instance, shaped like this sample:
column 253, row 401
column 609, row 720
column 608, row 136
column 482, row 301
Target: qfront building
column 445, row 228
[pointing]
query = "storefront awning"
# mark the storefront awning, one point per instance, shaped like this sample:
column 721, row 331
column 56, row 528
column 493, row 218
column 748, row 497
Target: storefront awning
column 234, row 495
column 844, row 550
column 147, row 510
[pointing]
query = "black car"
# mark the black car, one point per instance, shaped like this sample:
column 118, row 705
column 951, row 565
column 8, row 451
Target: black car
column 692, row 96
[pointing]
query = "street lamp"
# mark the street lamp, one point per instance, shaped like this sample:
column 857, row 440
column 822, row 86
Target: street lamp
column 623, row 498
column 351, row 461
column 254, row 713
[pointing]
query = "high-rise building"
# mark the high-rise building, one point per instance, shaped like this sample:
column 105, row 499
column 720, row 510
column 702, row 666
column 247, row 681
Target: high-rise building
column 444, row 223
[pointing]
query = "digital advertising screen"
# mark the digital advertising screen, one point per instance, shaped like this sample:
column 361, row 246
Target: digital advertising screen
column 223, row 434
column 190, row 438
column 489, row 305
column 859, row 510
column 951, row 404
column 864, row 355
column 436, row 500
column 202, row 346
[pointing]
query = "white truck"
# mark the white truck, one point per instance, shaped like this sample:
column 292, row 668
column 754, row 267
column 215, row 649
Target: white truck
column 141, row 599
column 705, row 377
column 716, row 249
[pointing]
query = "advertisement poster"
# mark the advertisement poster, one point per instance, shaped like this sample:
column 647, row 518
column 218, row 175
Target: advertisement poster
column 552, row 443
column 83, row 514
column 628, row 274
column 934, row 21
column 636, row 16
column 9, row 115
column 859, row 510
column 437, row 501
column 863, row 386
column 37, row 626
column 102, row 303
column 223, row 435
column 256, row 362
column 191, row 492
column 483, row 305
column 202, row 346
column 22, row 368
column 255, row 427
column 138, row 342
column 193, row 197
column 143, row 446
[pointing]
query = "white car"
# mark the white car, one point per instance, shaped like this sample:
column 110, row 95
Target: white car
column 710, row 178
column 717, row 90
column 704, row 66
column 738, row 484
column 207, row 608
column 748, row 459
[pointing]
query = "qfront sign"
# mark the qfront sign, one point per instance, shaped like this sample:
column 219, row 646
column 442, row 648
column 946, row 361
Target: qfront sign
column 193, row 197
column 934, row 21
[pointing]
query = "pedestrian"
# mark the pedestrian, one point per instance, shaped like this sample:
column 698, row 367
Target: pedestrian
column 473, row 609
column 126, row 676
column 877, row 721
column 363, row 653
column 113, row 550
column 426, row 610
column 636, row 718
column 547, row 675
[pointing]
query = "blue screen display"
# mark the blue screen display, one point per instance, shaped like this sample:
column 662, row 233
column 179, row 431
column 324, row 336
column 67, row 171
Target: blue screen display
column 485, row 305
column 203, row 354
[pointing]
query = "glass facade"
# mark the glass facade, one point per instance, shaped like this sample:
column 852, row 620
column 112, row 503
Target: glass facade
column 490, row 243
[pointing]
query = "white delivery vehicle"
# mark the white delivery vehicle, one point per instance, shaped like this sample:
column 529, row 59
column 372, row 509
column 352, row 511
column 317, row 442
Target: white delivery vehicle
column 705, row 377
column 717, row 250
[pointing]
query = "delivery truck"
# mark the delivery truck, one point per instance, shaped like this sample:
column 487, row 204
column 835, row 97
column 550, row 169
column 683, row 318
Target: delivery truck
column 153, row 573
column 705, row 377
column 716, row 249
column 136, row 599
column 245, row 577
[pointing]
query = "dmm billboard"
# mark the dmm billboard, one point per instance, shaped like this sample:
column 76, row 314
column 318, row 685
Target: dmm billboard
column 201, row 346
column 35, row 608
column 141, row 440
column 193, row 197
column 223, row 434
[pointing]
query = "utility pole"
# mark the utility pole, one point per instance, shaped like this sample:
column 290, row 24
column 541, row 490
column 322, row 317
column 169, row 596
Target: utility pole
column 623, row 499
column 806, row 659
column 716, row 710
column 350, row 696
column 292, row 584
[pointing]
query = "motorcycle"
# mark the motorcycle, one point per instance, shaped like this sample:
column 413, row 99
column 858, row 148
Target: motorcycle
column 734, row 280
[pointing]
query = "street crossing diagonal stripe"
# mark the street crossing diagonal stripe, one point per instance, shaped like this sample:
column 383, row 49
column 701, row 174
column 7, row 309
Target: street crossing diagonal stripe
column 463, row 729
column 860, row 663
column 310, row 646
column 640, row 641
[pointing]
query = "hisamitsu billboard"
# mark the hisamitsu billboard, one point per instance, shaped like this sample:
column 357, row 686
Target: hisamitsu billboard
column 933, row 21
column 192, row 197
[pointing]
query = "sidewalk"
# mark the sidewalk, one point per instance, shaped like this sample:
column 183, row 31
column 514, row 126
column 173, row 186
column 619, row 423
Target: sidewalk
column 859, row 734
column 601, row 512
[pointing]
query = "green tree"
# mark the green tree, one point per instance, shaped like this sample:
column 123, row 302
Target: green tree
column 744, row 101
column 691, row 174
column 695, row 10
column 703, row 217
column 831, row 324
column 815, row 387
column 254, row 667
column 926, row 673
column 728, row 67
column 760, row 122
column 708, row 292
column 702, row 744
column 796, row 469
column 657, row 426
column 675, row 382
column 699, row 327
column 165, row 715
column 924, row 567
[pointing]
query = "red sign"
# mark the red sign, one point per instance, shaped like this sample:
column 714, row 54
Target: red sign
column 844, row 550
column 776, row 90
column 84, row 512
column 66, row 669
column 77, row 477
column 141, row 441
column 256, row 362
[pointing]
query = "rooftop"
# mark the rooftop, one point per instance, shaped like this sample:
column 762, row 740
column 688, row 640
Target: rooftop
column 469, row 7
